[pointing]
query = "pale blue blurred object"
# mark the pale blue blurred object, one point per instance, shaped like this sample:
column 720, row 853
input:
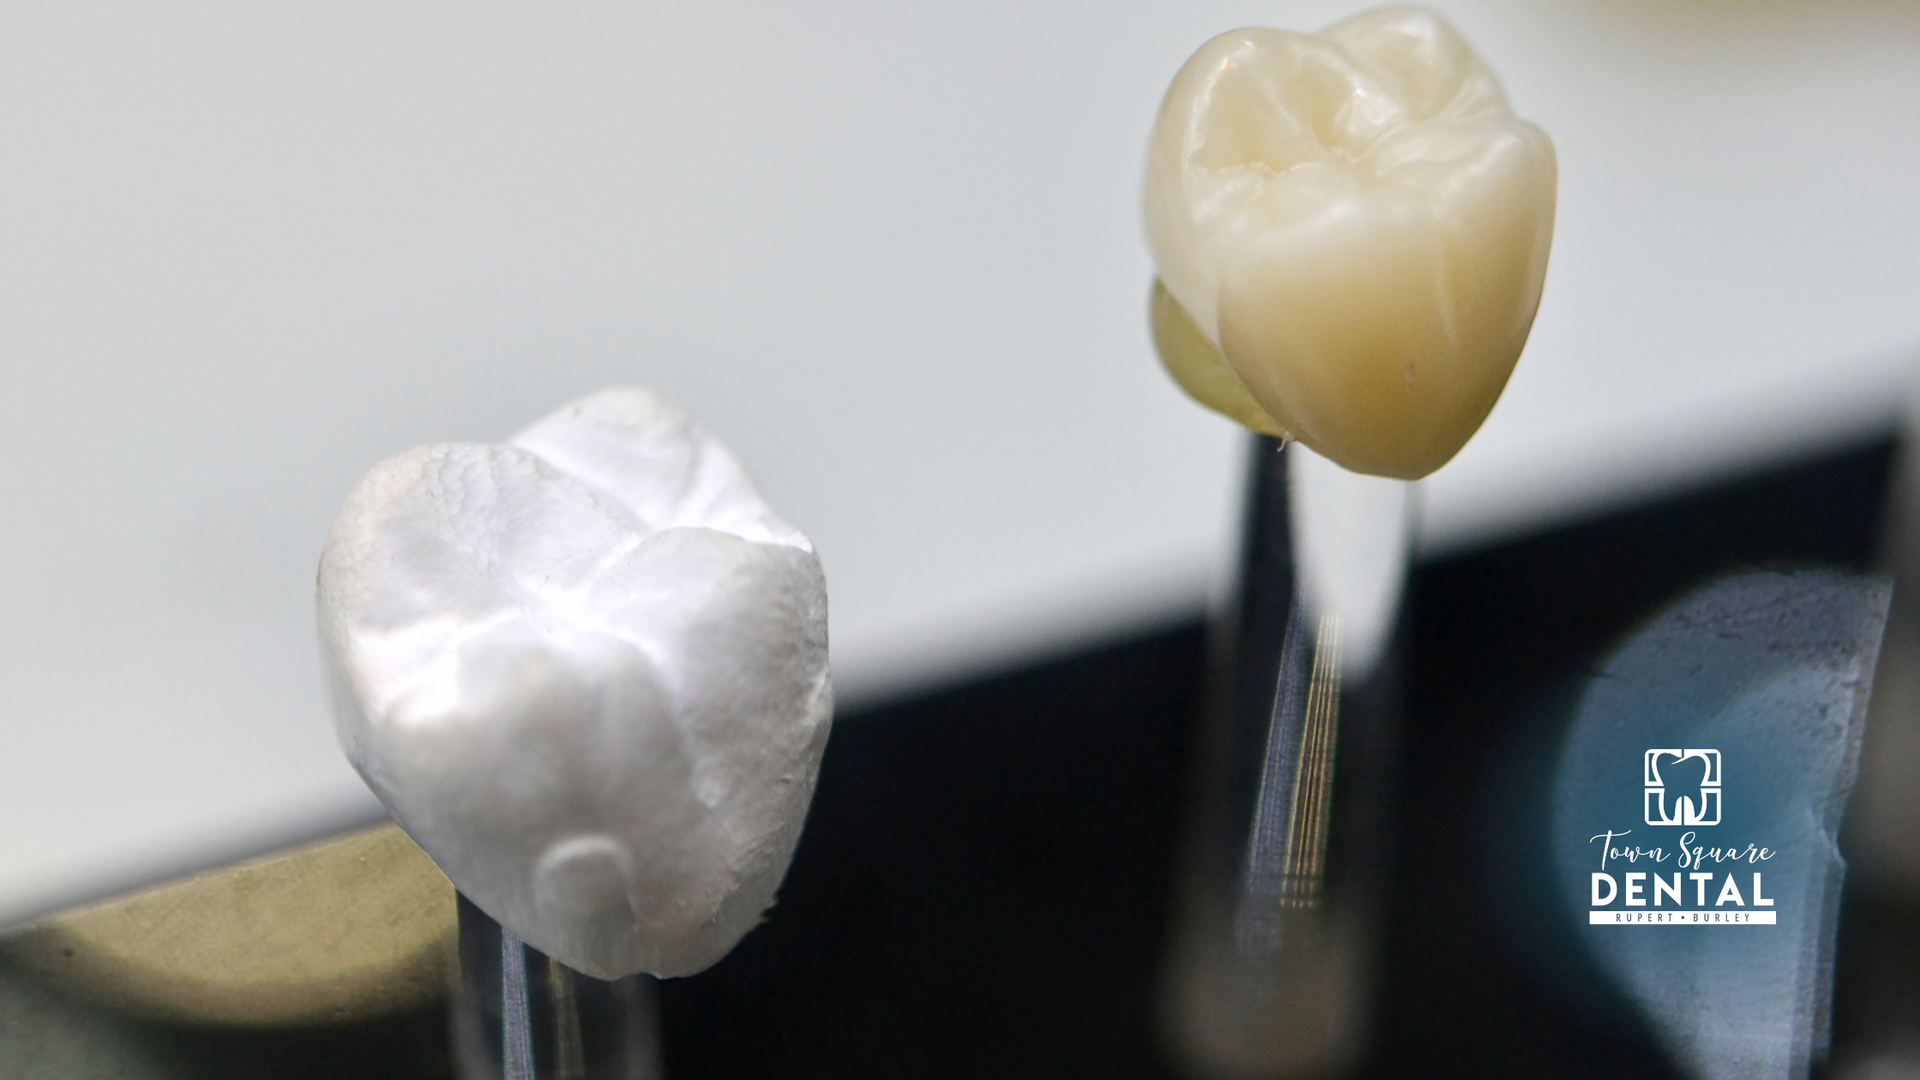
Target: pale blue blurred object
column 1772, row 670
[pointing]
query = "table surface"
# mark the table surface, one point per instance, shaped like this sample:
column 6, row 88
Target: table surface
column 891, row 254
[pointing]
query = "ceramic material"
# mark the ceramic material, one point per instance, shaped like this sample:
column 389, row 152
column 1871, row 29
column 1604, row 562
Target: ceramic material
column 1351, row 231
column 587, row 672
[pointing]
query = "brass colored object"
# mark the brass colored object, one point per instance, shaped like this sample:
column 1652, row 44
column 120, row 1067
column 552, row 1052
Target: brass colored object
column 341, row 931
column 1286, row 859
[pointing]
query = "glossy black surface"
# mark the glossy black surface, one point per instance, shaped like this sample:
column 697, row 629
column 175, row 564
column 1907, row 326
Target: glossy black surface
column 983, row 886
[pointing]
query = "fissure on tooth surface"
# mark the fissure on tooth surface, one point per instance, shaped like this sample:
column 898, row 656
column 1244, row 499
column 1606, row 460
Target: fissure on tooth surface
column 1351, row 231
column 587, row 672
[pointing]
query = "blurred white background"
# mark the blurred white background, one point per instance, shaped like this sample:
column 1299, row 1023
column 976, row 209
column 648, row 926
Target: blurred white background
column 890, row 252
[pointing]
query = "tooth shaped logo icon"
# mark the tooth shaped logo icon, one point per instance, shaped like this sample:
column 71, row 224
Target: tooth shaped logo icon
column 587, row 672
column 1683, row 787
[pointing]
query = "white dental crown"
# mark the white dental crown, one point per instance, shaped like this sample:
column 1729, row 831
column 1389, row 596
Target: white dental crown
column 587, row 672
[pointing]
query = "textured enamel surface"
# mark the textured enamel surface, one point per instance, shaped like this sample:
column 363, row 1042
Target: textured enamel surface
column 587, row 672
column 1351, row 231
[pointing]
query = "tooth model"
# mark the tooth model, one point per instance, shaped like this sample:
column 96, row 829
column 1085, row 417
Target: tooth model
column 587, row 672
column 1351, row 230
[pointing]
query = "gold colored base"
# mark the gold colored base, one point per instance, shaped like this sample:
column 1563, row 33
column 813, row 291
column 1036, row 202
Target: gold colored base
column 341, row 931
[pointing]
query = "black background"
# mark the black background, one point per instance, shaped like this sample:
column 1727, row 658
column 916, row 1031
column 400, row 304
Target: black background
column 984, row 884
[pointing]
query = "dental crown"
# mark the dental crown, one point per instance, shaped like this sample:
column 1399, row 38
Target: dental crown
column 587, row 672
column 1351, row 231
